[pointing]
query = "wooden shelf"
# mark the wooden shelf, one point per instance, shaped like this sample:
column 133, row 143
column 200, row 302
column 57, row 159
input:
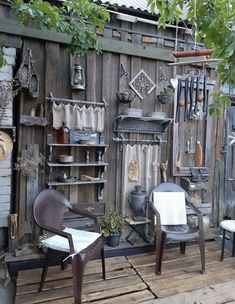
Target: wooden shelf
column 142, row 124
column 91, row 164
column 33, row 121
column 77, row 145
column 78, row 182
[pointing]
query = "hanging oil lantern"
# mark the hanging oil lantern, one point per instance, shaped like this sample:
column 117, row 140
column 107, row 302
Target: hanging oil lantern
column 78, row 77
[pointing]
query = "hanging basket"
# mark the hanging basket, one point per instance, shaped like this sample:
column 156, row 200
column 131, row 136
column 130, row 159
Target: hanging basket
column 165, row 98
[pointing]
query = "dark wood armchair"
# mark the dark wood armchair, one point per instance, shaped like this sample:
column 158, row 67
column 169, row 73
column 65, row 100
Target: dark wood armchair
column 81, row 246
column 168, row 203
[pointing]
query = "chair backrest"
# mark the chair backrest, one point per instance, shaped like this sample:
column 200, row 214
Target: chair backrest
column 49, row 208
column 169, row 200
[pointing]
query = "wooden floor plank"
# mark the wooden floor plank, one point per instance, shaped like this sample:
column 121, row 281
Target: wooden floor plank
column 133, row 280
column 170, row 254
column 113, row 292
column 215, row 294
column 135, row 297
column 196, row 282
column 29, row 276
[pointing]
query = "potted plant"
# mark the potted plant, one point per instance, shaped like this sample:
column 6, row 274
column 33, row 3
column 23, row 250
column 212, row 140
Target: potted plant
column 166, row 95
column 112, row 227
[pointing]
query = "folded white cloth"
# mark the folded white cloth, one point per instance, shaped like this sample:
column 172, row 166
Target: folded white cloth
column 81, row 240
column 171, row 206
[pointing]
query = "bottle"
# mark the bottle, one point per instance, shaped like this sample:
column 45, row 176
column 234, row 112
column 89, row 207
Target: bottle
column 63, row 134
column 32, row 113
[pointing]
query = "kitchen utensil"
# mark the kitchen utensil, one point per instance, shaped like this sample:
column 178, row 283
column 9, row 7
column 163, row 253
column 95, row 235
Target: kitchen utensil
column 205, row 95
column 177, row 115
column 84, row 177
column 198, row 154
column 63, row 177
column 65, row 158
column 190, row 113
column 196, row 96
column 186, row 99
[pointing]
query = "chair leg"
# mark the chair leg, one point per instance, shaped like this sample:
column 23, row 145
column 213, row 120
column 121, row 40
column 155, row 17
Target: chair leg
column 222, row 246
column 182, row 247
column 103, row 264
column 78, row 267
column 45, row 268
column 233, row 252
column 158, row 240
column 201, row 244
column 63, row 264
column 159, row 261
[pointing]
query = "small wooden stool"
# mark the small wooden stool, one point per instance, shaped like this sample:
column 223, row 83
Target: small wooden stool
column 227, row 225
column 134, row 230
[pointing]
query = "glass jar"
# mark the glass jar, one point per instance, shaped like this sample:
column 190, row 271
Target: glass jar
column 63, row 134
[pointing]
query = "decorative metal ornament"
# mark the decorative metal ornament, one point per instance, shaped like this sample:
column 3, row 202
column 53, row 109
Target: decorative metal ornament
column 78, row 77
column 27, row 77
column 125, row 95
column 142, row 84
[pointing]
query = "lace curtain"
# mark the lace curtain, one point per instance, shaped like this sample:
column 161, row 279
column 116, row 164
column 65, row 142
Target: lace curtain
column 76, row 117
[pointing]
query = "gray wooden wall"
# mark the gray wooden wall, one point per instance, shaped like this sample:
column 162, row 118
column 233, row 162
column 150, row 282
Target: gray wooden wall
column 137, row 46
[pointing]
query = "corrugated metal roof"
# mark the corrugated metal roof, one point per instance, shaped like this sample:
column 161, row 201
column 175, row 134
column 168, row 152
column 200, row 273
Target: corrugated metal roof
column 134, row 4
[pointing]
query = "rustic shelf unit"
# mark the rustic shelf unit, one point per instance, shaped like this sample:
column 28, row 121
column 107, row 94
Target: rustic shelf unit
column 141, row 124
column 97, row 164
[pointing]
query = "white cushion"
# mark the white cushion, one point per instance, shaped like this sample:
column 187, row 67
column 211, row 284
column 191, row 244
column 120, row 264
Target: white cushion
column 81, row 240
column 228, row 225
column 171, row 206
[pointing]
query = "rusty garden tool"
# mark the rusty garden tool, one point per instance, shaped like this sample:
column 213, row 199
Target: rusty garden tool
column 177, row 115
column 190, row 114
column 186, row 100
column 196, row 96
column 205, row 95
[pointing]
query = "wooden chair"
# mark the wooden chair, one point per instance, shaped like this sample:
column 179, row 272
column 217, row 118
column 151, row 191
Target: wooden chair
column 168, row 202
column 81, row 246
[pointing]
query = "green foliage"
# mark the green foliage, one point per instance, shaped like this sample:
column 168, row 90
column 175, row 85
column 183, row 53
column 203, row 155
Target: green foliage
column 112, row 223
column 2, row 59
column 76, row 18
column 213, row 22
column 167, row 91
column 219, row 101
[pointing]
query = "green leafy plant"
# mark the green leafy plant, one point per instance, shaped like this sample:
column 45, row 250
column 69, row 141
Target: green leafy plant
column 3, row 61
column 112, row 223
column 167, row 91
column 213, row 23
column 76, row 18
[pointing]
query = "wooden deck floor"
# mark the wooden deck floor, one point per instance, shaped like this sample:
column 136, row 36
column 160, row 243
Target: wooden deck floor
column 132, row 280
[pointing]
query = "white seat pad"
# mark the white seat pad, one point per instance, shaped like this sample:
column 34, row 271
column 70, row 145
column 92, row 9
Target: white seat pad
column 81, row 240
column 228, row 225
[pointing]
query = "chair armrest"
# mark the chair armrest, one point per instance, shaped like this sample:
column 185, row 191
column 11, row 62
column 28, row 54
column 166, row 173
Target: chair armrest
column 199, row 215
column 158, row 217
column 61, row 233
column 87, row 214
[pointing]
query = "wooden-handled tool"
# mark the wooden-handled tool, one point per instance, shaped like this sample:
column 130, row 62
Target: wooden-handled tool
column 198, row 155
column 190, row 112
